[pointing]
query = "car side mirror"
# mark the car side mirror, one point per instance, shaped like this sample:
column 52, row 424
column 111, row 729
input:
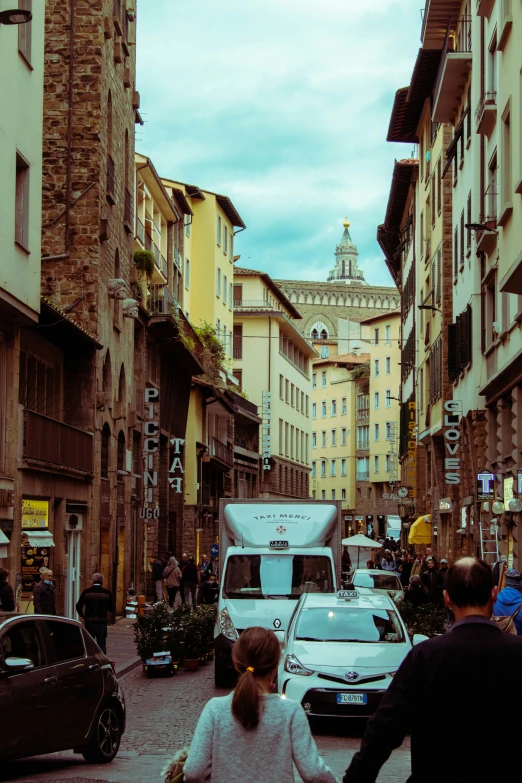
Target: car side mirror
column 418, row 638
column 17, row 666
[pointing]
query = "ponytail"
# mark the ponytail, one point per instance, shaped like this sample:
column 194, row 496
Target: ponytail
column 255, row 654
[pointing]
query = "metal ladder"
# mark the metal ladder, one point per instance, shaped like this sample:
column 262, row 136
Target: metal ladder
column 489, row 543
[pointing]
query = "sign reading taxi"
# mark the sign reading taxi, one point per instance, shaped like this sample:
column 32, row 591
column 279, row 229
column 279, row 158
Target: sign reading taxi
column 347, row 595
column 35, row 514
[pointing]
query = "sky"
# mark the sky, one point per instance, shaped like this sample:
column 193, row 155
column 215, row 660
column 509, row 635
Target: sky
column 282, row 105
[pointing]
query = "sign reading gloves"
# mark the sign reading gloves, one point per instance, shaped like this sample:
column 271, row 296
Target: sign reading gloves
column 452, row 436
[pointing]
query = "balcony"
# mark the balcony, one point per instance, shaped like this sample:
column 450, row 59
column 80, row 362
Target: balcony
column 140, row 231
column 159, row 261
column 485, row 7
column 127, row 211
column 178, row 258
column 111, row 188
column 486, row 113
column 365, row 476
column 454, row 69
column 221, row 452
column 255, row 304
column 160, row 301
column 52, row 441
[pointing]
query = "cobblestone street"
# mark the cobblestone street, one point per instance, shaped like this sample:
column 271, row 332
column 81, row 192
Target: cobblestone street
column 161, row 716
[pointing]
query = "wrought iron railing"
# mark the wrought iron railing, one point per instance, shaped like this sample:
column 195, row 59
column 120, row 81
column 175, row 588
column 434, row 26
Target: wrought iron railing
column 457, row 40
column 221, row 451
column 160, row 300
column 486, row 99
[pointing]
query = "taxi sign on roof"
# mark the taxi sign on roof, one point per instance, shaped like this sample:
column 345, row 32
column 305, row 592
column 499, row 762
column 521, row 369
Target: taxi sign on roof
column 347, row 594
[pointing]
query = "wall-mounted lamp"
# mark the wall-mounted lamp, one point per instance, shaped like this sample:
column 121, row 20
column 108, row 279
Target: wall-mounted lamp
column 480, row 227
column 429, row 307
column 15, row 16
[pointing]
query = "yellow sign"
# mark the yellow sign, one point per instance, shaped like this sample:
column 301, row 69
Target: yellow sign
column 35, row 514
column 508, row 489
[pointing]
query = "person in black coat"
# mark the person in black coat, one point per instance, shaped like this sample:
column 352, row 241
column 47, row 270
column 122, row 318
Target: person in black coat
column 433, row 581
column 460, row 675
column 7, row 601
column 43, row 594
column 209, row 591
column 94, row 606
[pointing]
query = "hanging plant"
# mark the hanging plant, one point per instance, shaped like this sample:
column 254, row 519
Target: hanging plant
column 144, row 261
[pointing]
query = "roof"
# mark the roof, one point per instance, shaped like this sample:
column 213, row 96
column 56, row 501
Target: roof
column 344, row 358
column 435, row 19
column 182, row 201
column 377, row 317
column 240, row 271
column 53, row 313
column 157, row 179
column 409, row 101
column 194, row 191
column 388, row 234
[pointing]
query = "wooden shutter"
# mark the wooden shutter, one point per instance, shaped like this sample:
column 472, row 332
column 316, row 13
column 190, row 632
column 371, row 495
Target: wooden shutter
column 453, row 372
column 462, row 341
column 469, row 334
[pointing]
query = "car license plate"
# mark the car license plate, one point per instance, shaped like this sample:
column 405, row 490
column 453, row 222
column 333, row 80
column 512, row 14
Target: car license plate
column 352, row 698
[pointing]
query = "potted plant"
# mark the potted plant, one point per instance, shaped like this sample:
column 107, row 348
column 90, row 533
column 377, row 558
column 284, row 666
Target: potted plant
column 191, row 635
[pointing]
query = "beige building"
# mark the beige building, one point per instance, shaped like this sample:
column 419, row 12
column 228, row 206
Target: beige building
column 22, row 66
column 273, row 363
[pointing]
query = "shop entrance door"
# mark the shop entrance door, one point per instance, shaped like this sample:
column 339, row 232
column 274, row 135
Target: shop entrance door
column 73, row 589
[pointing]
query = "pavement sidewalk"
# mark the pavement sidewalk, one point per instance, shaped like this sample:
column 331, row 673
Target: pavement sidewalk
column 121, row 647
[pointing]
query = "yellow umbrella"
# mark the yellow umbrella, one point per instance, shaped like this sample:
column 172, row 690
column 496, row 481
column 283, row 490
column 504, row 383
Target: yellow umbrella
column 420, row 531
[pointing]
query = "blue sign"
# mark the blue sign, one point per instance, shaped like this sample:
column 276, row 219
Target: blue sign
column 214, row 550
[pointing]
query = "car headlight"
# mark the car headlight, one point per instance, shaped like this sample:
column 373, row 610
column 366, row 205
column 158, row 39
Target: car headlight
column 226, row 626
column 294, row 666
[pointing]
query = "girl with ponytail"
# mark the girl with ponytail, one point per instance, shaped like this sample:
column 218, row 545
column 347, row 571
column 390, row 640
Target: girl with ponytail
column 253, row 735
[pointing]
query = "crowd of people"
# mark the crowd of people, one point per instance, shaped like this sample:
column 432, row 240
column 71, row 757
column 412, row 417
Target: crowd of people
column 196, row 582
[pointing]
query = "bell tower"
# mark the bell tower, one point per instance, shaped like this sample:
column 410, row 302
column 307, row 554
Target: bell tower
column 346, row 254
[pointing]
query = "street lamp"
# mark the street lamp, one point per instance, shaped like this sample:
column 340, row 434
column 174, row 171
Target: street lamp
column 429, row 307
column 480, row 227
column 15, row 16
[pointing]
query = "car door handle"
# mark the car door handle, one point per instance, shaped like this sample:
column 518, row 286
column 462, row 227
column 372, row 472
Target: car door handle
column 94, row 667
column 51, row 680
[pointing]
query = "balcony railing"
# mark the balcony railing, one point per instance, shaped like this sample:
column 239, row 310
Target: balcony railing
column 140, row 231
column 453, row 69
column 365, row 476
column 238, row 351
column 111, row 189
column 178, row 258
column 363, row 444
column 159, row 260
column 148, row 240
column 49, row 440
column 363, row 413
column 255, row 303
column 160, row 300
column 245, row 444
column 221, row 452
column 127, row 215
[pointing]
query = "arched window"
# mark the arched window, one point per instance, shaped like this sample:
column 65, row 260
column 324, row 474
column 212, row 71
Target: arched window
column 324, row 334
column 120, row 464
column 315, row 334
column 319, row 331
column 107, row 378
column 105, row 443
column 109, row 123
column 121, row 385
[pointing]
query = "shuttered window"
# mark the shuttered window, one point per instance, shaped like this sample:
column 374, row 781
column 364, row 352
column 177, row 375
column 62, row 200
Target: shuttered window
column 462, row 239
column 459, row 344
column 468, row 210
column 438, row 287
column 456, row 252
column 439, row 192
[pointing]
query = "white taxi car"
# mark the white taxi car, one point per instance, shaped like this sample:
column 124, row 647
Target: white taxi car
column 341, row 652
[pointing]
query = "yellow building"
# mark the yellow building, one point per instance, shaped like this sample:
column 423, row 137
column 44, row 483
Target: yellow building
column 273, row 363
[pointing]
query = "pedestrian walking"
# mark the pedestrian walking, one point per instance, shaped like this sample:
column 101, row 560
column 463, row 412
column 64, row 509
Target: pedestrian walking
column 43, row 594
column 157, row 576
column 252, row 734
column 388, row 562
column 416, row 569
column 461, row 676
column 209, row 591
column 416, row 593
column 509, row 598
column 405, row 569
column 205, row 568
column 172, row 574
column 7, row 601
column 182, row 563
column 190, row 581
column 93, row 607
column 444, row 571
column 433, row 582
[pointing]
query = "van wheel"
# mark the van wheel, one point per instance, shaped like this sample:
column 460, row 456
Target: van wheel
column 106, row 737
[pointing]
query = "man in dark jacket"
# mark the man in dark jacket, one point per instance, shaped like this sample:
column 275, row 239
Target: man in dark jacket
column 7, row 602
column 43, row 594
column 158, row 567
column 460, row 675
column 208, row 591
column 416, row 593
column 93, row 607
column 433, row 581
column 190, row 581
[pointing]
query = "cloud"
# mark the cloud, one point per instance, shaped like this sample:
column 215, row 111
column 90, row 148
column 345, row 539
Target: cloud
column 283, row 105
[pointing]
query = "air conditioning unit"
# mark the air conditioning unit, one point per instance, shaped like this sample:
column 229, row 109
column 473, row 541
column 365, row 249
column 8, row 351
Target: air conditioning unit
column 74, row 522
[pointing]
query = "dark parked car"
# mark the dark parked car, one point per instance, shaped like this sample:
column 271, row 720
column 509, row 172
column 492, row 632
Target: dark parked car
column 58, row 691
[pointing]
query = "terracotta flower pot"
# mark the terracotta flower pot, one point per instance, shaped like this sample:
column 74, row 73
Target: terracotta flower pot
column 191, row 664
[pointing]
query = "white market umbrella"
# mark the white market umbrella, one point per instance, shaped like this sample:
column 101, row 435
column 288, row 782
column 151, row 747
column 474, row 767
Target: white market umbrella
column 359, row 542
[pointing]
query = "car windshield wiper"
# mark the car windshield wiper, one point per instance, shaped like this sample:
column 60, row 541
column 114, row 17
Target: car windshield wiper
column 361, row 641
column 309, row 639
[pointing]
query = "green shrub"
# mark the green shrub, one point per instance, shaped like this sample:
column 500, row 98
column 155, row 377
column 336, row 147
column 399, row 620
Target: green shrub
column 144, row 261
column 426, row 619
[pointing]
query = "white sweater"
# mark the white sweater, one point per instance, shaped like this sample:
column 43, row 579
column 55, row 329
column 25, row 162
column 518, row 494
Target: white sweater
column 223, row 751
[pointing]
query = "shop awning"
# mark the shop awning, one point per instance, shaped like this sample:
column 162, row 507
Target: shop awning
column 420, row 531
column 4, row 541
column 39, row 537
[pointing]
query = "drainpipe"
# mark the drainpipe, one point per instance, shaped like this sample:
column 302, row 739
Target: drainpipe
column 67, row 252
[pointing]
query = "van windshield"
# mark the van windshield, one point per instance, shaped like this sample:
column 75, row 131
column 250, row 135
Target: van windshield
column 277, row 576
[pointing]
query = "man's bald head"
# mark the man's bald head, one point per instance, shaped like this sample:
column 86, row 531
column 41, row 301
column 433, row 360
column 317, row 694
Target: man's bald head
column 470, row 583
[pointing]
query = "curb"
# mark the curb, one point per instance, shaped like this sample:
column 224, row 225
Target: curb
column 128, row 666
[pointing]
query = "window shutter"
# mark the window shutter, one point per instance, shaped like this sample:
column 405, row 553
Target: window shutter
column 469, row 335
column 439, row 264
column 453, row 371
column 456, row 251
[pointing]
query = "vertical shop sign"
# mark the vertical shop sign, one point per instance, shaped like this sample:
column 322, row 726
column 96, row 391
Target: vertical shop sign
column 411, row 472
column 266, row 417
column 150, row 455
column 452, row 417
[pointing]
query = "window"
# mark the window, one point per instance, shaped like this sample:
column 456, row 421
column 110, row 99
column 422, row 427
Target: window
column 314, row 495
column 239, row 375
column 462, row 238
column 323, row 439
column 333, row 467
column 225, row 288
column 363, row 405
column 314, row 469
column 388, row 463
column 23, row 641
column 218, row 282
column 297, row 399
column 323, row 379
column 334, row 438
column 334, row 407
column 323, row 494
column 238, row 341
column 281, row 387
column 376, row 337
column 287, row 444
column 376, row 432
column 187, row 225
column 343, row 494
column 333, row 494
column 376, row 464
column 238, row 295
column 325, row 351
column 231, row 246
column 456, row 251
column 388, row 365
column 376, row 367
column 225, row 240
column 343, row 436
column 292, row 395
column 187, row 274
column 307, row 404
column 323, row 468
column 506, row 159
column 343, row 467
column 287, row 391
column 218, row 230
column 323, row 410
column 468, row 215
column 105, row 441
column 292, row 441
column 303, row 403
column 388, row 399
column 67, row 640
column 314, row 380
column 25, row 30
column 387, row 333
column 376, row 400
column 22, row 199
column 363, row 437
column 389, row 429
column 363, row 470
column 491, row 192
column 230, row 296
column 120, row 462
column 314, row 440
column 343, row 406
column 314, row 410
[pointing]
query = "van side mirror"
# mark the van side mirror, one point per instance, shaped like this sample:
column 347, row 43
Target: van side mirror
column 17, row 666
